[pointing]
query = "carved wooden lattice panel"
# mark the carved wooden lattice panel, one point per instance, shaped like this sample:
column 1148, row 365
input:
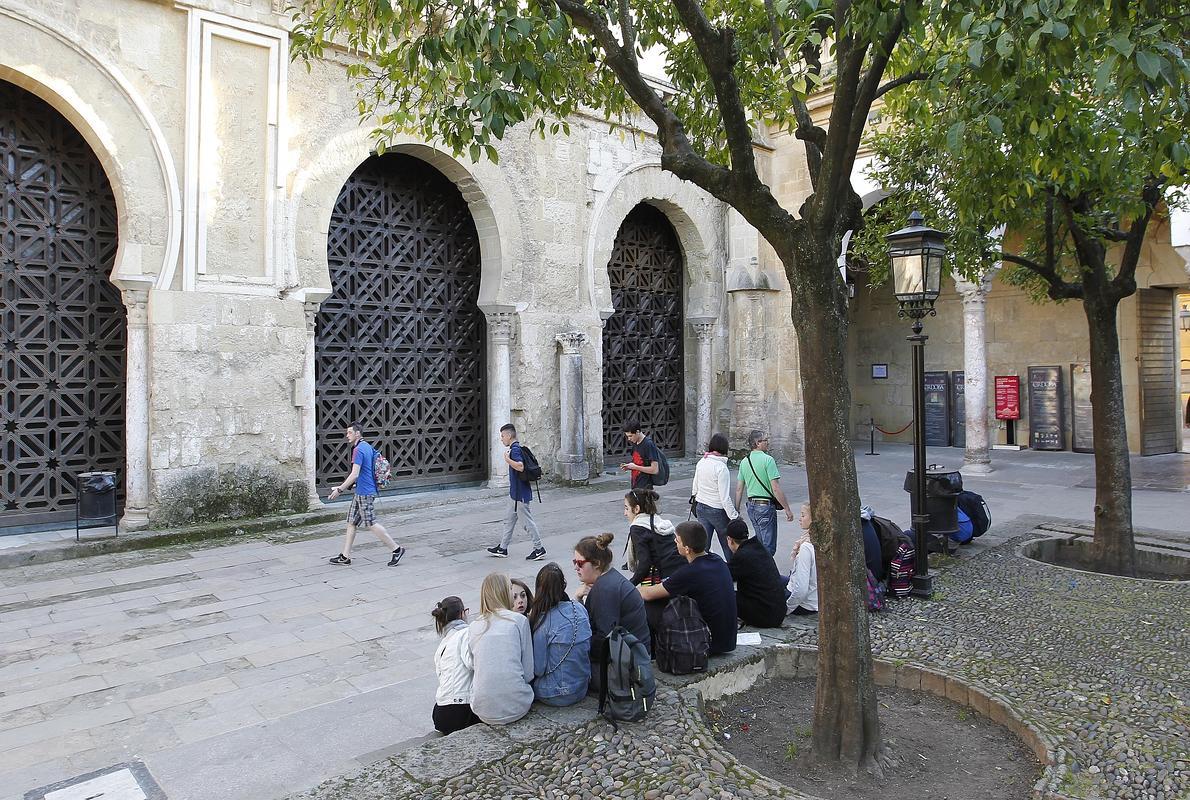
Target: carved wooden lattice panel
column 62, row 324
column 400, row 343
column 643, row 366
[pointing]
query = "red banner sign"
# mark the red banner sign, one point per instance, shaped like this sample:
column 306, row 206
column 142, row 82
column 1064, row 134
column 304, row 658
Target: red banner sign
column 1008, row 397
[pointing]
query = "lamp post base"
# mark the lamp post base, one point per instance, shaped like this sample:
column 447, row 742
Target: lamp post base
column 923, row 586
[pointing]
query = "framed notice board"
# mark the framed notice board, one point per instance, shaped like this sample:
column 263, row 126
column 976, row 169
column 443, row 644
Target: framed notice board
column 1046, row 423
column 958, row 409
column 937, row 390
column 1082, row 438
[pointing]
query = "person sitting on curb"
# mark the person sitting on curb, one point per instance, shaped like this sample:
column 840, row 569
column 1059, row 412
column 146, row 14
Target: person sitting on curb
column 502, row 652
column 759, row 590
column 802, row 589
column 452, row 663
column 561, row 641
column 609, row 598
column 522, row 597
column 706, row 579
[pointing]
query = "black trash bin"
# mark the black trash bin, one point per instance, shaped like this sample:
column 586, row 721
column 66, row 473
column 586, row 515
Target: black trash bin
column 942, row 502
column 96, row 496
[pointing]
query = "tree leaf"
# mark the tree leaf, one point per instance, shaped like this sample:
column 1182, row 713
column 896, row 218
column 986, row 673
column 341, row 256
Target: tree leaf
column 1149, row 63
column 954, row 136
column 975, row 53
column 995, row 124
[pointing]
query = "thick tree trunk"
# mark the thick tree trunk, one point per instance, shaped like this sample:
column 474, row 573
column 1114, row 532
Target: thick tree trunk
column 846, row 726
column 1115, row 551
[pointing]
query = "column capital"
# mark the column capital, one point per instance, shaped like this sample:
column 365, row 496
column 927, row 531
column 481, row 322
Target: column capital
column 571, row 341
column 502, row 327
column 311, row 310
column 975, row 289
column 136, row 302
column 703, row 327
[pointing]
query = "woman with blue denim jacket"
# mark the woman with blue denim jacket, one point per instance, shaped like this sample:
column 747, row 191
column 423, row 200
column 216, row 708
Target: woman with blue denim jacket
column 561, row 641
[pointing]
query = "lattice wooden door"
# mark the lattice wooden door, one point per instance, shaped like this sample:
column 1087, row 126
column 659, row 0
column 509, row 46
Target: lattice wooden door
column 643, row 367
column 400, row 343
column 62, row 324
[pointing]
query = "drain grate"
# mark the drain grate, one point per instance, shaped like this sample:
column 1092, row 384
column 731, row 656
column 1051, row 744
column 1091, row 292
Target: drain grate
column 130, row 781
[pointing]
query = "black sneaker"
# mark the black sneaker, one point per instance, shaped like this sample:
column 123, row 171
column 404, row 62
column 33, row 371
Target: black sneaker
column 537, row 554
column 498, row 552
column 396, row 559
column 341, row 560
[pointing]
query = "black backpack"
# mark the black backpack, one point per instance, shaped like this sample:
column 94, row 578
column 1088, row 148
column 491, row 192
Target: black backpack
column 532, row 470
column 977, row 511
column 627, row 687
column 662, row 476
column 683, row 640
column 889, row 534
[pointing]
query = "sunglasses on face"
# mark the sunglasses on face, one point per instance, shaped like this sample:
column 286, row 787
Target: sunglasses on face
column 579, row 563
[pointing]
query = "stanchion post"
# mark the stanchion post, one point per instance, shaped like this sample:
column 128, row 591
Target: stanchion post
column 872, row 437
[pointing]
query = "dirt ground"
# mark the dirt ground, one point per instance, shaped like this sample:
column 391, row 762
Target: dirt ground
column 941, row 750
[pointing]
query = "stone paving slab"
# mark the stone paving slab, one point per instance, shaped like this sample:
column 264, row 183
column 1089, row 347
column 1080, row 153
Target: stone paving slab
column 174, row 649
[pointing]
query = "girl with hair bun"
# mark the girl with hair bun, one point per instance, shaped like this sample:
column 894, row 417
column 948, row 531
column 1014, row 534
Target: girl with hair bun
column 452, row 663
column 610, row 598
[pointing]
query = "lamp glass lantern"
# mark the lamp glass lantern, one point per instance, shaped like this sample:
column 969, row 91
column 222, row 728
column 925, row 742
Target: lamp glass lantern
column 916, row 253
column 1184, row 318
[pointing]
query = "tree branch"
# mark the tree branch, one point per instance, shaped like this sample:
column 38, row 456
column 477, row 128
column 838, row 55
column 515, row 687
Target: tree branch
column 806, row 130
column 1125, row 280
column 908, row 77
column 717, row 50
column 1059, row 289
column 627, row 30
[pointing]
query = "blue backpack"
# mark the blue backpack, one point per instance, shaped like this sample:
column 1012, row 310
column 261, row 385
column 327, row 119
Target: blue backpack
column 966, row 531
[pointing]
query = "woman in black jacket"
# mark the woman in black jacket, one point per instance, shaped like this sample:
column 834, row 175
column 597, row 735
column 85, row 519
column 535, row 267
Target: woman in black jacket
column 654, row 555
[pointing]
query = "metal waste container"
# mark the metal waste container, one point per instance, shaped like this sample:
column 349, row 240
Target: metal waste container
column 96, row 495
column 942, row 499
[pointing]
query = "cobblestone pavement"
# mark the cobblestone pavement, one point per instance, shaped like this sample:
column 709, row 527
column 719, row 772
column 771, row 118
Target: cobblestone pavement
column 1098, row 664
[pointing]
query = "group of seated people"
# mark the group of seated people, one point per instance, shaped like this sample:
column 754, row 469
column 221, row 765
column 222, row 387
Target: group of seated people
column 542, row 645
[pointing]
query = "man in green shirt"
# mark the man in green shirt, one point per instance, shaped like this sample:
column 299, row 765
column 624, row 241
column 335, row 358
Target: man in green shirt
column 760, row 478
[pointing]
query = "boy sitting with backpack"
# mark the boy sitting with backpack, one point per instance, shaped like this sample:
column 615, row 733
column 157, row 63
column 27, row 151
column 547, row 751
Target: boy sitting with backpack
column 707, row 581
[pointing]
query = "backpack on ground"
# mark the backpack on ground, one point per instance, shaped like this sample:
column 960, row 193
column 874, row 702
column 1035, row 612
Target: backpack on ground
column 683, row 638
column 627, row 687
column 977, row 511
column 875, row 593
column 382, row 471
column 900, row 569
column 890, row 535
column 662, row 476
column 965, row 531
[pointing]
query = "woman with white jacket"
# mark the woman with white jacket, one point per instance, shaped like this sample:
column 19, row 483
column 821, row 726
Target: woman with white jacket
column 711, row 492
column 452, row 663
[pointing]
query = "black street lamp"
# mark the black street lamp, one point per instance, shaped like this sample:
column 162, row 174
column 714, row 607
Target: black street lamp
column 916, row 253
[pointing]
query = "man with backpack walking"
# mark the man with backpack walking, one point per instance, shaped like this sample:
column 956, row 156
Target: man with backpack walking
column 362, row 511
column 520, row 498
column 648, row 465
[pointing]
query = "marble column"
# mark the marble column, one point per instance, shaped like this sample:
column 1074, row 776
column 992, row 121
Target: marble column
column 309, row 419
column 136, row 412
column 704, row 329
column 572, row 454
column 974, row 293
column 501, row 334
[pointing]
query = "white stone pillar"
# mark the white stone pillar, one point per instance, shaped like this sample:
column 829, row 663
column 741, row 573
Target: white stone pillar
column 572, row 455
column 308, row 396
column 974, row 293
column 136, row 412
column 501, row 334
column 704, row 329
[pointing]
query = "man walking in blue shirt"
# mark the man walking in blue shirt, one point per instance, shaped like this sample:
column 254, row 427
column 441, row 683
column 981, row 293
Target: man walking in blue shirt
column 362, row 511
column 520, row 499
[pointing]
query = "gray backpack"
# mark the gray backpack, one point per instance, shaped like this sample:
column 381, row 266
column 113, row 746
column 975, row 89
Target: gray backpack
column 627, row 688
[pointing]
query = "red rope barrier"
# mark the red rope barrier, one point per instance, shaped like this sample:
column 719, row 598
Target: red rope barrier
column 892, row 433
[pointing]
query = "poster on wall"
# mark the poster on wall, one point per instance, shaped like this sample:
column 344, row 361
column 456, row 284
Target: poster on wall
column 1008, row 397
column 1046, row 431
column 937, row 386
column 958, row 409
column 1082, row 438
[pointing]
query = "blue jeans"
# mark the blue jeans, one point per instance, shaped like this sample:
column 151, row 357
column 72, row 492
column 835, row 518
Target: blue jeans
column 714, row 521
column 764, row 523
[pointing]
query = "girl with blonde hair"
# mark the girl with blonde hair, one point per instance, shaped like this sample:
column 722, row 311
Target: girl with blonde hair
column 502, row 655
column 802, row 589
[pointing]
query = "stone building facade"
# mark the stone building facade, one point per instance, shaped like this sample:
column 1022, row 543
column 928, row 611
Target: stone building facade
column 247, row 224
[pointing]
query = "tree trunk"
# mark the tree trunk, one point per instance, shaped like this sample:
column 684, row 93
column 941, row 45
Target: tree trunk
column 1114, row 549
column 846, row 726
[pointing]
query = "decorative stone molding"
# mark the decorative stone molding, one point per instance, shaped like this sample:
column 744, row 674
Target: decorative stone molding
column 571, row 341
column 502, row 327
